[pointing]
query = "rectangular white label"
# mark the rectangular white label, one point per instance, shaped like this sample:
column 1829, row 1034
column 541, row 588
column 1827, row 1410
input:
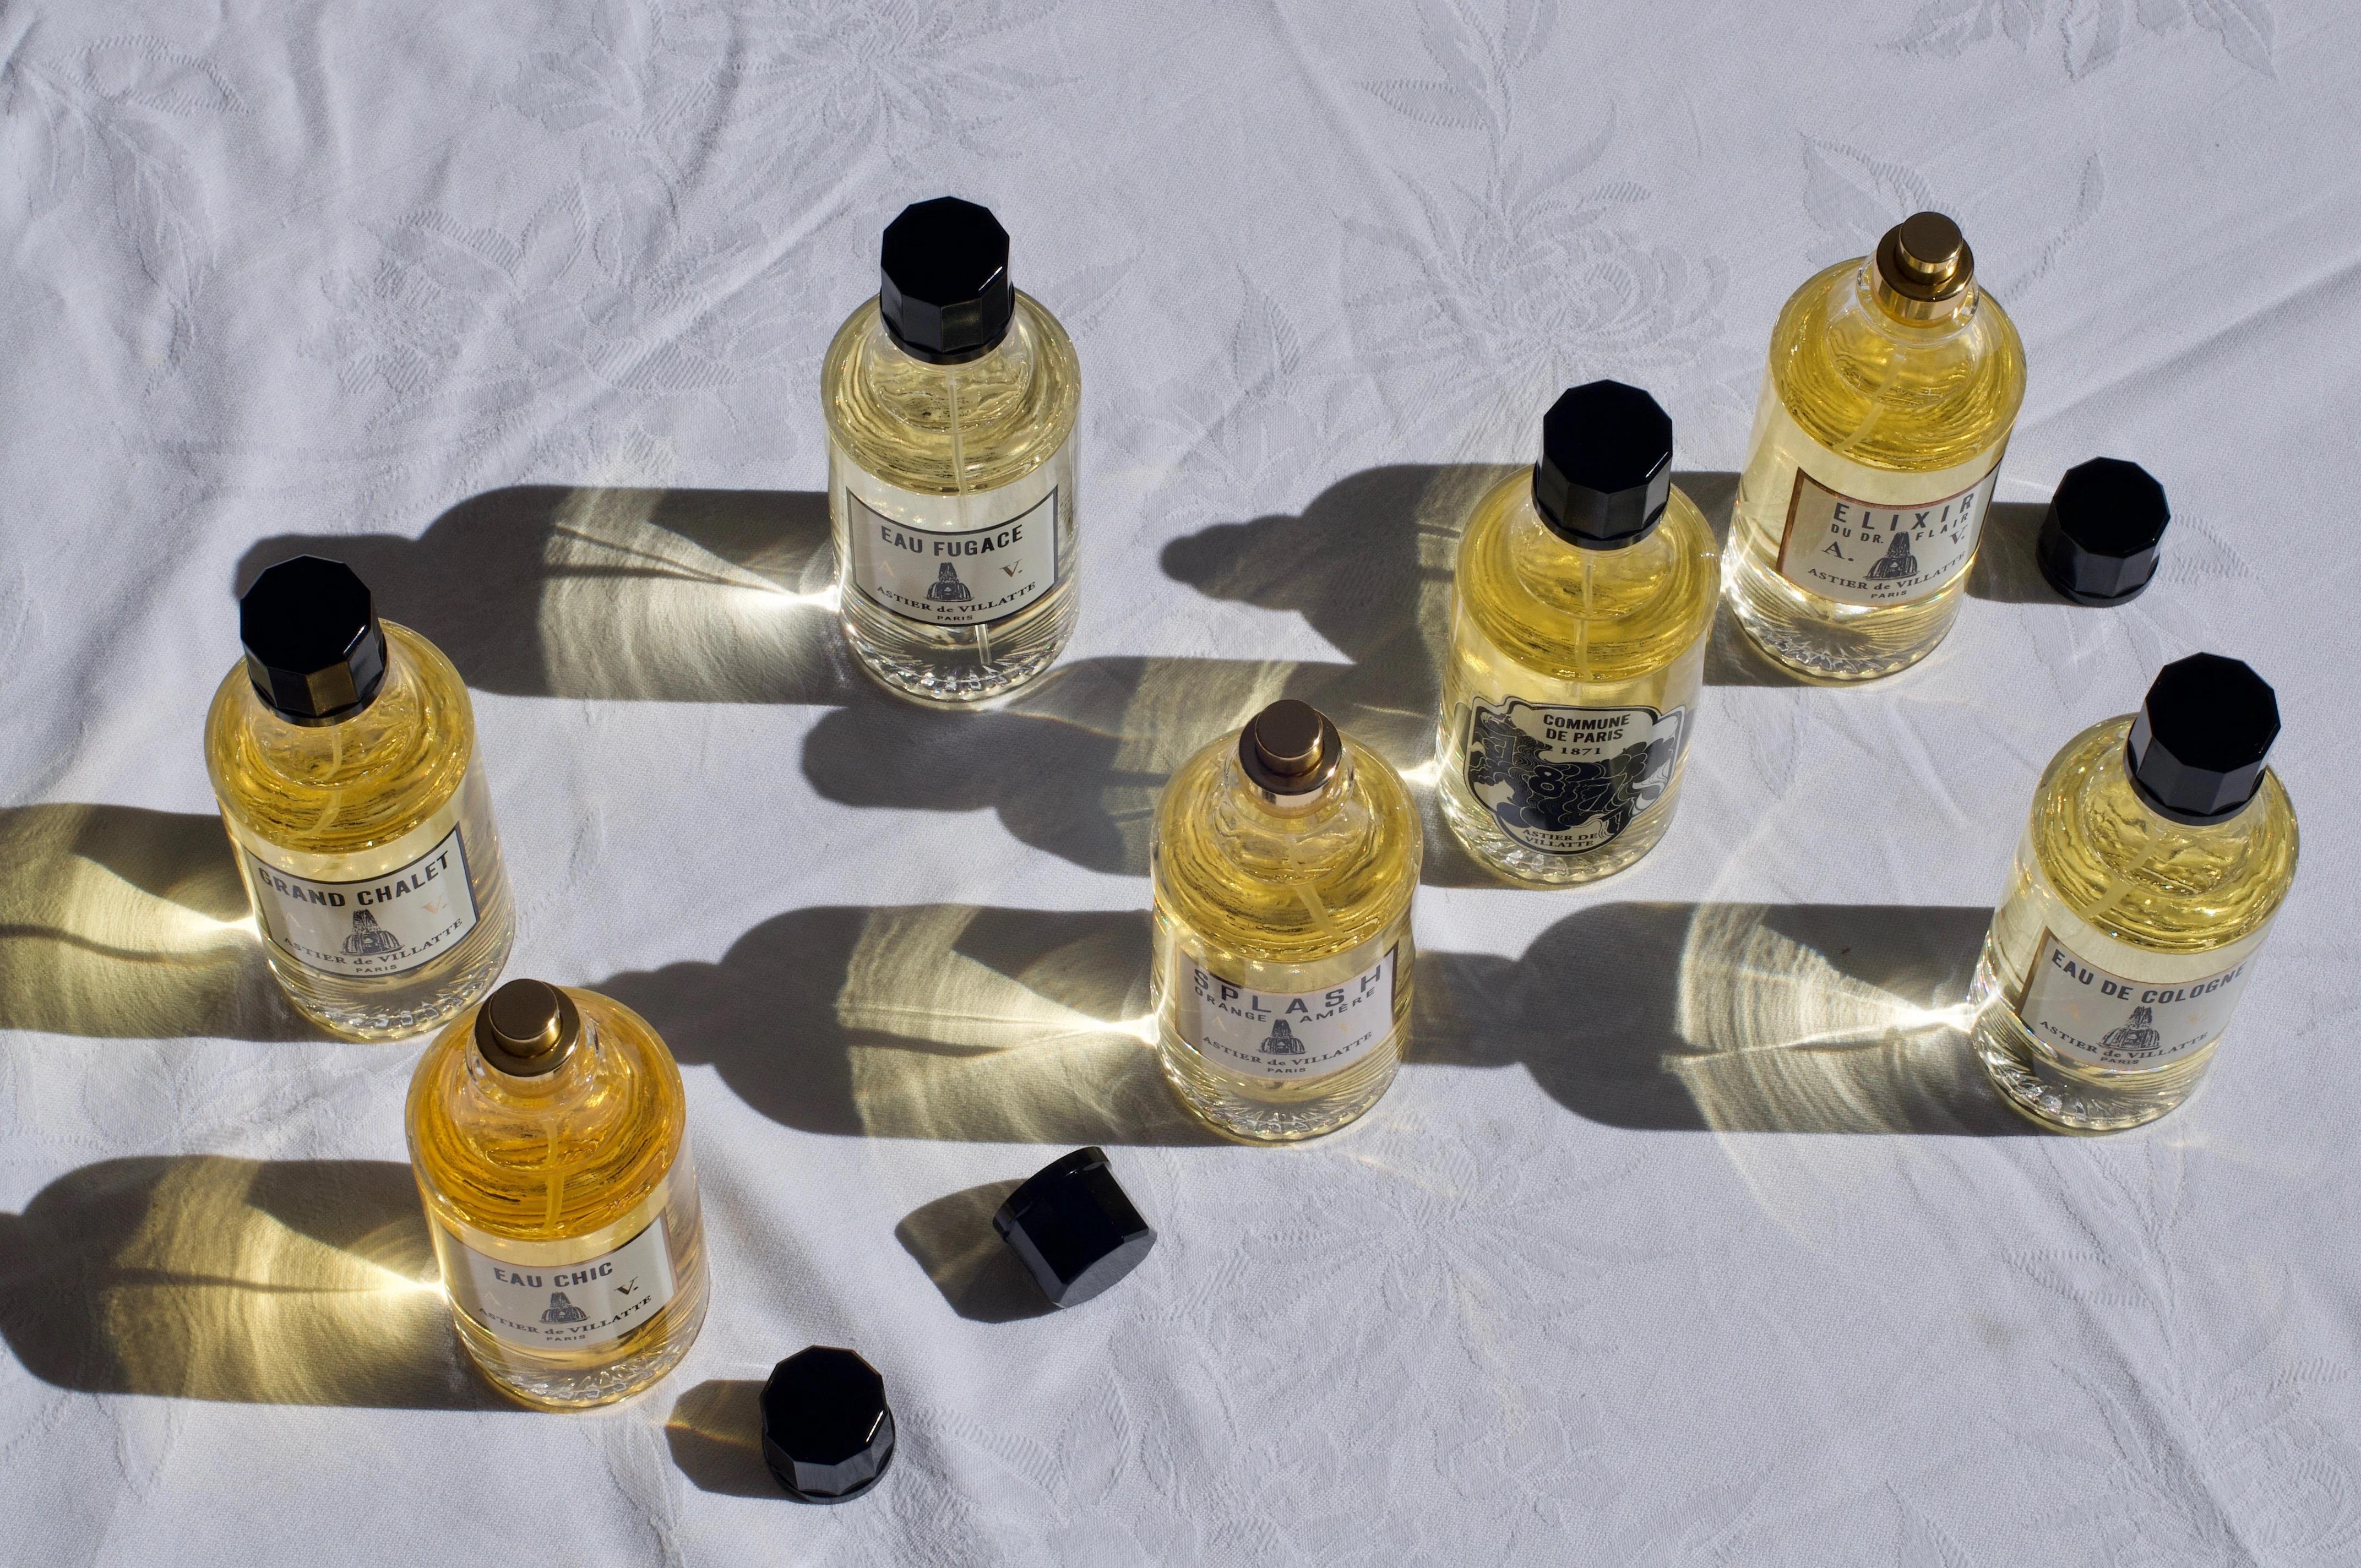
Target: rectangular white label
column 970, row 577
column 1286, row 1035
column 1568, row 780
column 381, row 926
column 2101, row 1019
column 1855, row 553
column 569, row 1305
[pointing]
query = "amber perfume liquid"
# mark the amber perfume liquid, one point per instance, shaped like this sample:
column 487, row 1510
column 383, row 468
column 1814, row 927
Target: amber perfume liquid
column 1283, row 959
column 1876, row 446
column 367, row 847
column 2124, row 941
column 1572, row 687
column 563, row 1208
column 952, row 496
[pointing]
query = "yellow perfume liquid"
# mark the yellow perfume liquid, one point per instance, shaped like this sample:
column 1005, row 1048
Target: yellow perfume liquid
column 2126, row 936
column 1283, row 864
column 1578, row 638
column 951, row 402
column 358, row 809
column 549, row 1136
column 1893, row 385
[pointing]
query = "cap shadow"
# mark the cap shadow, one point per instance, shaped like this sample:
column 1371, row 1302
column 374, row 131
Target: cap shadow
column 617, row 594
column 2007, row 569
column 715, row 1432
column 124, row 922
column 300, row 1282
column 953, row 1240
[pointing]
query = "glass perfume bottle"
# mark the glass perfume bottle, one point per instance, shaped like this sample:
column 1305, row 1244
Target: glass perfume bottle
column 951, row 401
column 343, row 752
column 2160, row 847
column 1893, row 385
column 1284, row 862
column 1581, row 609
column 550, row 1140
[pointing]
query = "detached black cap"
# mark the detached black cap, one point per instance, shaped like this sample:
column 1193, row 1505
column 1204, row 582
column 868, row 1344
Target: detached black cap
column 1074, row 1227
column 2098, row 543
column 1606, row 466
column 2198, row 746
column 946, row 296
column 314, row 648
column 828, row 1433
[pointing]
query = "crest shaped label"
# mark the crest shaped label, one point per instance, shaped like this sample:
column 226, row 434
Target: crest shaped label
column 1569, row 780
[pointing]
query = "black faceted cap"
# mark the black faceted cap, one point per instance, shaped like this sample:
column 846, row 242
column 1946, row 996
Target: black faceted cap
column 2198, row 747
column 1074, row 1227
column 945, row 295
column 828, row 1433
column 314, row 648
column 1606, row 466
column 2098, row 543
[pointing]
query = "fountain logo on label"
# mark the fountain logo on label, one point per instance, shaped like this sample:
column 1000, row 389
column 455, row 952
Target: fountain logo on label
column 570, row 1305
column 381, row 926
column 1286, row 1035
column 2100, row 1019
column 1858, row 552
column 966, row 576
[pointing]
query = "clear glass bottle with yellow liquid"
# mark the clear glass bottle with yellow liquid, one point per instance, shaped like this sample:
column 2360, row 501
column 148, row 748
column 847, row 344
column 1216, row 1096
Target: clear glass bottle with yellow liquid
column 549, row 1136
column 343, row 751
column 2159, row 851
column 952, row 402
column 1284, row 864
column 1581, row 611
column 1893, row 385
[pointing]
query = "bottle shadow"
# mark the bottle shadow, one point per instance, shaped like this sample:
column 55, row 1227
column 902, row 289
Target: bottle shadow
column 297, row 1282
column 715, row 1432
column 584, row 591
column 953, row 1240
column 963, row 1024
column 128, row 924
column 1074, row 764
column 943, row 1021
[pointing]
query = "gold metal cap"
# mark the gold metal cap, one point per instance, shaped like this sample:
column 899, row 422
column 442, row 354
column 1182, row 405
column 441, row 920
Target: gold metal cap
column 1923, row 266
column 527, row 1027
column 1289, row 749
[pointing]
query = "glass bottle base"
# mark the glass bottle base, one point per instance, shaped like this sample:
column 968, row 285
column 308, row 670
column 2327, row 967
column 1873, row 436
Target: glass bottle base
column 570, row 1382
column 1258, row 1111
column 402, row 1006
column 1480, row 834
column 958, row 666
column 1823, row 640
column 2037, row 1084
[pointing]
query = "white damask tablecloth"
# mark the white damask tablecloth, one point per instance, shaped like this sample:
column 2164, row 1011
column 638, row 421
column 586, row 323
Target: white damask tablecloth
column 1688, row 1235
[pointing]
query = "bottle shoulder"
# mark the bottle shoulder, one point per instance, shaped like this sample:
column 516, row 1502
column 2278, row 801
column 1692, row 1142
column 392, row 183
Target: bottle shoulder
column 351, row 786
column 1593, row 616
column 2147, row 880
column 952, row 428
column 1285, row 889
column 1915, row 397
column 559, row 1160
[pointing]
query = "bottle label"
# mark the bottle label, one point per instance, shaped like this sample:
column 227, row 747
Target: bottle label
column 968, row 576
column 381, row 926
column 2082, row 1012
column 1856, row 552
column 1569, row 780
column 1286, row 1037
column 570, row 1305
